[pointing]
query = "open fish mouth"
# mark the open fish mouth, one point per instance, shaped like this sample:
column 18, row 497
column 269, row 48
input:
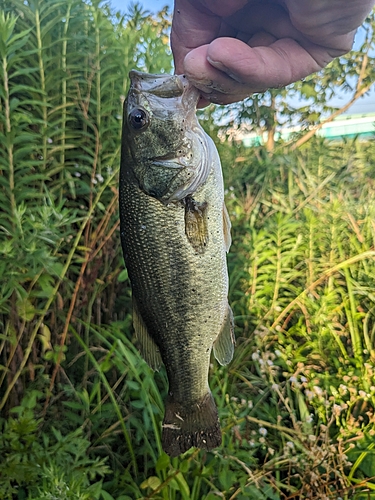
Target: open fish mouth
column 165, row 87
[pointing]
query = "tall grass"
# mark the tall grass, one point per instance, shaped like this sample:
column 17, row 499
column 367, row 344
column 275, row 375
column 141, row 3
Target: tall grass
column 302, row 272
column 297, row 402
column 63, row 81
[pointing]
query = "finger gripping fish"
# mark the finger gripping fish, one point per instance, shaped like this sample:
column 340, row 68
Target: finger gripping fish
column 175, row 232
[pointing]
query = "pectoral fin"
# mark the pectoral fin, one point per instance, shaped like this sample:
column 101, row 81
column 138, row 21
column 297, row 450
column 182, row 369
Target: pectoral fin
column 196, row 227
column 147, row 346
column 224, row 344
column 226, row 226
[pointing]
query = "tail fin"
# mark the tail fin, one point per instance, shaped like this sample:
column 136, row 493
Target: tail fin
column 184, row 427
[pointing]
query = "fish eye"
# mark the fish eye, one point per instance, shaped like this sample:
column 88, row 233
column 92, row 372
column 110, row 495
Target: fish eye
column 138, row 118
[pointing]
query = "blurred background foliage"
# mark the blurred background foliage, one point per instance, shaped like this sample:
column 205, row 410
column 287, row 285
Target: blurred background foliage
column 80, row 410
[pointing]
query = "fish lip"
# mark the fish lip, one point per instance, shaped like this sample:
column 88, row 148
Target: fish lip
column 161, row 85
column 167, row 156
column 177, row 86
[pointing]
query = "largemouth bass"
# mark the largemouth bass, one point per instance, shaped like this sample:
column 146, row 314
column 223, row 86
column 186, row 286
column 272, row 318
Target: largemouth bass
column 175, row 232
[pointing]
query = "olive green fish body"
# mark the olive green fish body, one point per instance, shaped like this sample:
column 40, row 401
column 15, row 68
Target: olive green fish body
column 174, row 242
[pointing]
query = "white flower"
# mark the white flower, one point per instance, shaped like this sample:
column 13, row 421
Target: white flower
column 49, row 140
column 255, row 356
column 336, row 409
column 278, row 353
column 343, row 389
column 318, row 390
column 303, row 379
column 263, row 431
column 100, row 177
column 293, row 379
column 290, row 444
column 309, row 394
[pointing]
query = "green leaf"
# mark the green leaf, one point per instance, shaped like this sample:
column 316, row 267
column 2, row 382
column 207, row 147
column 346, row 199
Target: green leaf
column 254, row 493
column 152, row 482
column 183, row 486
column 106, row 496
column 163, row 462
column 25, row 309
column 123, row 276
column 139, row 404
column 367, row 465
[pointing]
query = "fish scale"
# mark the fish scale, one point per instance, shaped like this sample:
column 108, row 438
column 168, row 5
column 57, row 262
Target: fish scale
column 153, row 256
column 179, row 278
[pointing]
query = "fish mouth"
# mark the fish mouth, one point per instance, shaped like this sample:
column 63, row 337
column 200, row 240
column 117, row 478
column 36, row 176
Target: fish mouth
column 165, row 86
column 169, row 160
column 166, row 157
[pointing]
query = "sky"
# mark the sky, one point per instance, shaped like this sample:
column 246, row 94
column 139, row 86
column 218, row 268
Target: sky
column 364, row 105
column 151, row 5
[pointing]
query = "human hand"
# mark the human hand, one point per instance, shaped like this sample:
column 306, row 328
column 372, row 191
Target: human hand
column 230, row 49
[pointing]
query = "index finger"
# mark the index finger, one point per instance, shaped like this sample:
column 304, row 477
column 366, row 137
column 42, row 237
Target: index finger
column 196, row 23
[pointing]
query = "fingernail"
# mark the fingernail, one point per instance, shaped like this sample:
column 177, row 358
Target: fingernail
column 217, row 64
column 220, row 66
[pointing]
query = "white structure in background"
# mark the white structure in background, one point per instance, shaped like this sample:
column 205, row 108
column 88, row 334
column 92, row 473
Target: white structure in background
column 344, row 126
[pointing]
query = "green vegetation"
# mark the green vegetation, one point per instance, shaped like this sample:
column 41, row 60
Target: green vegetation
column 80, row 410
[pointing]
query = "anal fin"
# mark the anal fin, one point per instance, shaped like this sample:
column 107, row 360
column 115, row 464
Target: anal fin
column 147, row 346
column 224, row 344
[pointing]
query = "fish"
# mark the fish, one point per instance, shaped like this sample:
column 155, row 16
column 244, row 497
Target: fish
column 175, row 232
